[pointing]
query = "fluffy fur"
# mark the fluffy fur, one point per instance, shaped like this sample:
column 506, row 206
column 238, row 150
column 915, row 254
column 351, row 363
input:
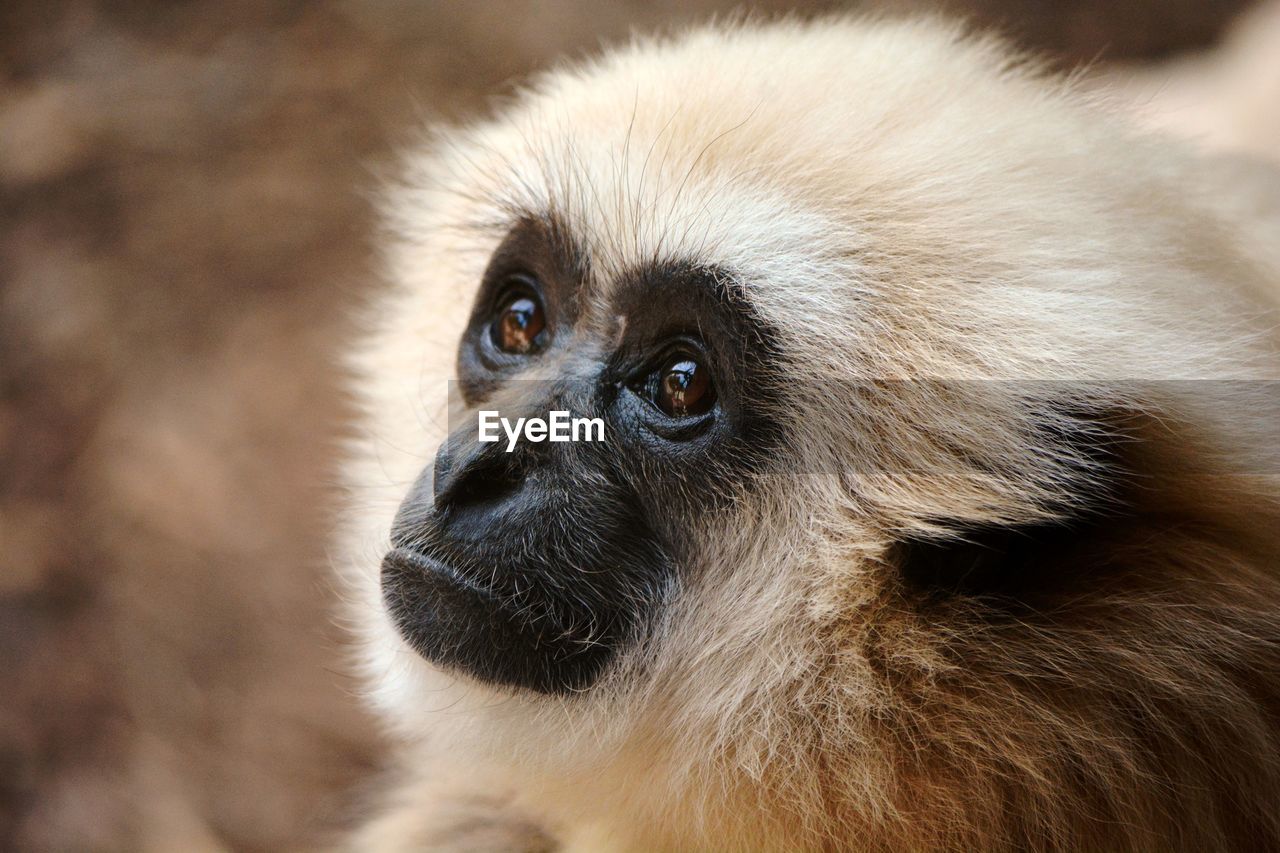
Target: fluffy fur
column 906, row 205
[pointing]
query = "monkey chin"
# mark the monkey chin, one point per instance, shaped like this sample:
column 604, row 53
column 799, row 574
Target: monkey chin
column 459, row 625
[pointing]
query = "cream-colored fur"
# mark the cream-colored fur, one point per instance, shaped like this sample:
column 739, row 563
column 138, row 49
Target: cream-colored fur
column 902, row 203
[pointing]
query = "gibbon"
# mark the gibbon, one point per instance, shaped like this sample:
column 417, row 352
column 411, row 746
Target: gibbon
column 938, row 506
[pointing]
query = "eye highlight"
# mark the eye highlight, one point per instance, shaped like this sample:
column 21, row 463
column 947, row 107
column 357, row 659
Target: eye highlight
column 520, row 322
column 682, row 388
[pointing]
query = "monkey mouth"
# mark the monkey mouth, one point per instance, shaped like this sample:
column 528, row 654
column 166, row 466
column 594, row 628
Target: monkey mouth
column 409, row 560
column 461, row 625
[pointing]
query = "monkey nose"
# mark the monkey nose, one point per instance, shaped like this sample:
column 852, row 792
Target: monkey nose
column 470, row 474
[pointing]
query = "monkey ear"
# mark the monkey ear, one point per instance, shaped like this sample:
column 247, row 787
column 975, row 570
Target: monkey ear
column 1183, row 456
column 998, row 561
column 1019, row 560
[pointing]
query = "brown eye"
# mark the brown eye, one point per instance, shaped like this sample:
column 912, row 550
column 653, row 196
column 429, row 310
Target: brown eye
column 684, row 388
column 518, row 324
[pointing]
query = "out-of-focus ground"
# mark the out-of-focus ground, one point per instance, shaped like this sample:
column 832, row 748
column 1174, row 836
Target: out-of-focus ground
column 184, row 229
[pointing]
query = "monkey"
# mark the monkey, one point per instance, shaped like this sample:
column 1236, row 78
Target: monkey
column 938, row 504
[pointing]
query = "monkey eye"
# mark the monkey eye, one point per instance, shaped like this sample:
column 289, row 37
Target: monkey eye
column 520, row 322
column 682, row 388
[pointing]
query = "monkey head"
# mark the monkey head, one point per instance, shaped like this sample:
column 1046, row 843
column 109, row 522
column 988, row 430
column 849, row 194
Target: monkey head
column 880, row 327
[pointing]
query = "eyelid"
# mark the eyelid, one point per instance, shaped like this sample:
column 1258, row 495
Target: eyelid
column 666, row 427
column 670, row 348
column 514, row 282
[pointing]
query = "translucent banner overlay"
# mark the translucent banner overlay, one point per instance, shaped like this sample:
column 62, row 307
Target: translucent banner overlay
column 914, row 424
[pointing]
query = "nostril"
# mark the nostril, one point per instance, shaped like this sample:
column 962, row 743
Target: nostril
column 481, row 480
column 486, row 484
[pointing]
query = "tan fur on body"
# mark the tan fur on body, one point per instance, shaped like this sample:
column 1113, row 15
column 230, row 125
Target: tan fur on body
column 905, row 206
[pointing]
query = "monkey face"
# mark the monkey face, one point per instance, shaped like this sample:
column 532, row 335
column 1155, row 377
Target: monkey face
column 530, row 564
column 823, row 296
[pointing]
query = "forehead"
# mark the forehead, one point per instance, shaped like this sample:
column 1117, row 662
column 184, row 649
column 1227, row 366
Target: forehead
column 627, row 195
column 816, row 166
column 653, row 158
column 746, row 144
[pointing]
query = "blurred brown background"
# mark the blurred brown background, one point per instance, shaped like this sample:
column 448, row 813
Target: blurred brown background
column 184, row 226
